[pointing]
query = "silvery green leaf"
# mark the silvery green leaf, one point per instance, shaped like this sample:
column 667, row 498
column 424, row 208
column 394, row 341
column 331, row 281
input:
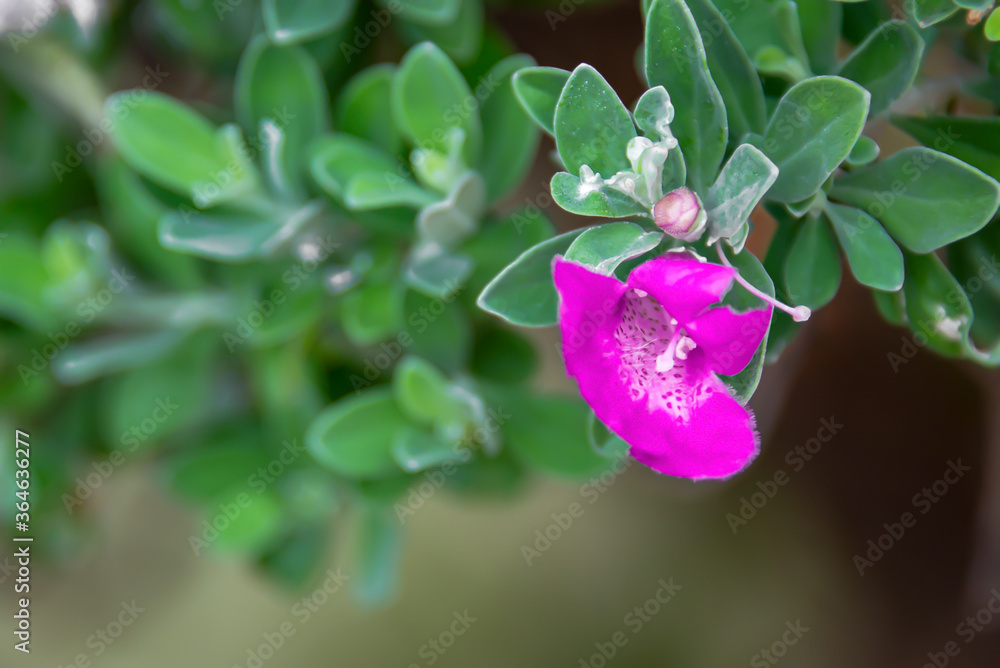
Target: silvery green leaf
column 449, row 221
column 741, row 184
column 675, row 58
column 592, row 127
column 435, row 272
column 739, row 239
column 582, row 199
column 441, row 171
column 605, row 247
column 654, row 113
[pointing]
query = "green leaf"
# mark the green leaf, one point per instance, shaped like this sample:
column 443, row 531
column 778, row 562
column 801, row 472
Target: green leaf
column 439, row 328
column 199, row 27
column 891, row 305
column 584, row 201
column 294, row 21
column 675, row 59
column 451, row 220
column 372, row 313
column 429, row 96
column 603, row 441
column 435, row 272
column 865, row 151
column 132, row 214
column 592, row 127
column 84, row 361
column 369, row 191
column 254, row 527
column 353, row 437
column 874, row 257
column 743, row 181
column 23, row 280
column 974, row 264
column 538, row 90
column 496, row 478
column 500, row 242
column 761, row 25
column 295, row 560
column 813, row 269
column 364, row 109
column 925, row 199
column 821, row 22
column 812, row 131
column 929, row 12
column 886, row 63
column 147, row 404
column 992, row 27
column 425, row 396
column 936, row 306
column 503, row 356
column 971, row 139
column 204, row 474
column 461, row 38
column 415, row 450
column 424, row 12
column 171, row 144
column 510, row 138
column 548, row 433
column 732, row 71
column 654, row 112
column 604, row 247
column 379, row 550
column 523, row 293
column 336, row 159
column 285, row 85
column 774, row 62
column 231, row 237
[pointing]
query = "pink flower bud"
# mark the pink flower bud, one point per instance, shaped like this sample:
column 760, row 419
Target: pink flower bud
column 680, row 215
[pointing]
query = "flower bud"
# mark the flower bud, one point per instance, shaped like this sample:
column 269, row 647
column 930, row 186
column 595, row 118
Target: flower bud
column 680, row 214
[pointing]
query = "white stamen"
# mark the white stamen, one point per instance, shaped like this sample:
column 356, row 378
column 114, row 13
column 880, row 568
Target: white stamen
column 798, row 313
column 665, row 361
column 685, row 346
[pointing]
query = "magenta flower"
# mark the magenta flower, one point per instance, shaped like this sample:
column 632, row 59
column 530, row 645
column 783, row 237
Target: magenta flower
column 646, row 352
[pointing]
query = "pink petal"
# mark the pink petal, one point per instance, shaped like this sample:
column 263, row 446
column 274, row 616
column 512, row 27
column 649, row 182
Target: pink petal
column 681, row 421
column 683, row 286
column 717, row 440
column 728, row 338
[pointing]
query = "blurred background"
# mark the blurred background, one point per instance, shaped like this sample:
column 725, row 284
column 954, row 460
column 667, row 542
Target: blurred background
column 799, row 561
